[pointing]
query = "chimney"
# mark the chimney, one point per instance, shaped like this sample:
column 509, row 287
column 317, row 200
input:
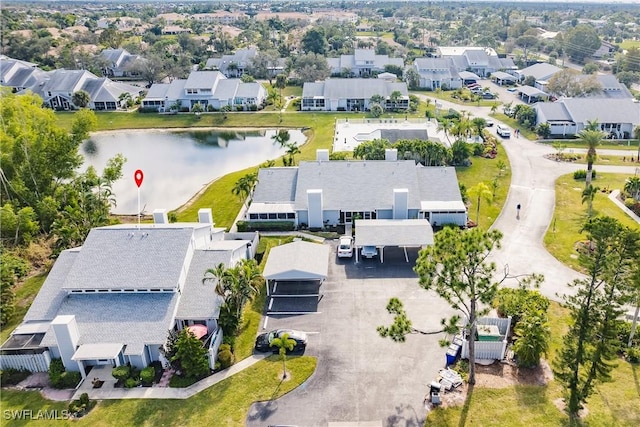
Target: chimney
column 400, row 203
column 390, row 154
column 160, row 216
column 205, row 216
column 314, row 202
column 66, row 332
column 322, row 155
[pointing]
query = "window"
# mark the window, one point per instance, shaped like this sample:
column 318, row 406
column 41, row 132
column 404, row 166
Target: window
column 273, row 216
column 282, row 216
column 291, row 216
column 263, row 216
column 253, row 216
column 192, row 91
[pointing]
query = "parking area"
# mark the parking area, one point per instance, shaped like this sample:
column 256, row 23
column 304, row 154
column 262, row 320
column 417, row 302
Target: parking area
column 360, row 376
column 292, row 297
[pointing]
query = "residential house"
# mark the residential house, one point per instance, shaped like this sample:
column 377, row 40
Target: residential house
column 121, row 23
column 104, row 94
column 478, row 60
column 119, row 63
column 541, row 72
column 437, row 73
column 605, row 50
column 113, row 300
column 56, row 88
column 171, row 18
column 234, row 65
column 328, row 193
column 363, row 63
column 175, row 29
column 219, row 17
column 19, row 75
column 617, row 117
column 352, row 95
column 211, row 89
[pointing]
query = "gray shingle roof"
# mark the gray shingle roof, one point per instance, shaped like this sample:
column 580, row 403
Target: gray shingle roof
column 227, row 89
column 357, row 186
column 199, row 301
column 552, row 111
column 603, row 110
column 203, row 79
column 128, row 258
column 476, row 57
column 158, row 91
column 540, row 71
column 132, row 319
column 353, row 88
column 46, row 304
column 66, row 80
column 438, row 183
column 248, row 90
column 276, row 185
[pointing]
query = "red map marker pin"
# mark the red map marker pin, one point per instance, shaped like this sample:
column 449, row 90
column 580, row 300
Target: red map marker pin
column 138, row 176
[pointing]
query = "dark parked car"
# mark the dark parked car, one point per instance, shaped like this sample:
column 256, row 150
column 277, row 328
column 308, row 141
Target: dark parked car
column 263, row 342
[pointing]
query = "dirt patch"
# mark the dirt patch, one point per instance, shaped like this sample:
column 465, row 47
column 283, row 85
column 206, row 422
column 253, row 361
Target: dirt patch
column 499, row 375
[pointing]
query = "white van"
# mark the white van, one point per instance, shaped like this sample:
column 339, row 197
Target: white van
column 503, row 131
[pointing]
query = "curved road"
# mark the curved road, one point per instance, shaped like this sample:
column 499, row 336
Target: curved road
column 329, row 392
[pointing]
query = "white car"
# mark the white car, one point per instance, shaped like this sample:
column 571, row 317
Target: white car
column 369, row 251
column 503, row 131
column 345, row 247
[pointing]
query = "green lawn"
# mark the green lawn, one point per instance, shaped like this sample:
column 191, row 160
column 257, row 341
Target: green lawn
column 628, row 44
column 224, row 404
column 627, row 145
column 446, row 95
column 25, row 293
column 485, row 170
column 570, row 214
column 513, row 123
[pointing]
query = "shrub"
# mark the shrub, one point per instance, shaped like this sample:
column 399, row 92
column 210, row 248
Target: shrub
column 131, row 383
column 253, row 107
column 230, row 340
column 239, row 108
column 121, row 373
column 265, row 226
column 158, row 370
column 632, row 354
column 517, row 302
column 582, row 174
column 210, row 108
column 147, row 375
column 81, row 406
column 225, row 356
column 478, row 150
column 178, row 381
column 296, row 103
column 12, row 376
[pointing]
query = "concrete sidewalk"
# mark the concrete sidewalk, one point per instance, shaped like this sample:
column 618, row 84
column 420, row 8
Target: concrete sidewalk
column 168, row 392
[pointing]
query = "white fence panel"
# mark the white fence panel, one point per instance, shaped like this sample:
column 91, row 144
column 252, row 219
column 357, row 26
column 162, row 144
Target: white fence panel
column 216, row 341
column 30, row 362
column 491, row 350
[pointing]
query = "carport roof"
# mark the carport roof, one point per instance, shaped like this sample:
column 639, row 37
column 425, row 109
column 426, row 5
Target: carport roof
column 531, row 91
column 297, row 261
column 393, row 232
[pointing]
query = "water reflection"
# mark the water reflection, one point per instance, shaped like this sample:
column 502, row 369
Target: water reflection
column 178, row 164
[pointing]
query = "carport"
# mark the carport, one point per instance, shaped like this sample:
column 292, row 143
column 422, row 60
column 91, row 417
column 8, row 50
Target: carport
column 533, row 94
column 294, row 273
column 403, row 233
column 502, row 78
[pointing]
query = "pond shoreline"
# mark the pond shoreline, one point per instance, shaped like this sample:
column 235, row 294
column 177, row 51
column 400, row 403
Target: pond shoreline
column 183, row 129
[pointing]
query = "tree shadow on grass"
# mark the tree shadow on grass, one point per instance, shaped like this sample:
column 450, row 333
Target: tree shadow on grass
column 465, row 409
column 263, row 410
column 636, row 381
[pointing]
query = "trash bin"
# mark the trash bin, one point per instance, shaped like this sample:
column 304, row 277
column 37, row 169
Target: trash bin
column 452, row 354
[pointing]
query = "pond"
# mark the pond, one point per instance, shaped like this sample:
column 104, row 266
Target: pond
column 177, row 164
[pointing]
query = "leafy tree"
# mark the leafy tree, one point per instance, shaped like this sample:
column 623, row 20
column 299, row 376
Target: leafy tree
column 376, row 110
column 393, row 69
column 533, row 338
column 191, row 355
column 590, row 346
column 591, row 138
column 527, row 41
column 456, row 268
column 81, row 98
column 281, row 83
column 111, row 37
column 311, row 67
column 371, row 150
column 412, row 78
column 315, row 41
column 544, row 130
column 590, row 68
column 581, row 42
column 631, row 60
column 247, row 78
column 283, row 344
column 480, row 192
column 570, row 83
column 152, row 68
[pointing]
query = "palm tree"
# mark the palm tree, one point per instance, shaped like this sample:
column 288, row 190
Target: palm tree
column 284, row 344
column 588, row 195
column 445, row 125
column 244, row 185
column 480, row 191
column 292, row 150
column 282, row 138
column 218, row 273
column 591, row 138
column 632, row 187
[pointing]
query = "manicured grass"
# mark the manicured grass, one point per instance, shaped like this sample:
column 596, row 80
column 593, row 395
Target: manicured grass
column 446, row 95
column 570, row 214
column 631, row 145
column 629, row 43
column 25, row 292
column 292, row 91
column 485, row 170
column 224, row 404
column 608, row 160
column 513, row 123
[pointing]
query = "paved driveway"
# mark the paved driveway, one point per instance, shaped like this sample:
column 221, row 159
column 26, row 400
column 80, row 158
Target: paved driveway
column 360, row 376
